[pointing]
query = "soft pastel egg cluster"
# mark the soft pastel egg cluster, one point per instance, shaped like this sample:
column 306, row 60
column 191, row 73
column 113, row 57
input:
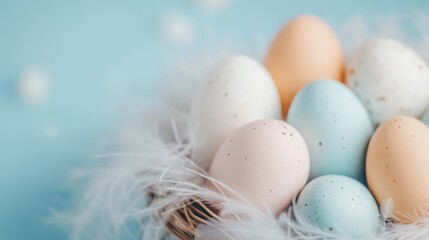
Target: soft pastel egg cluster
column 341, row 136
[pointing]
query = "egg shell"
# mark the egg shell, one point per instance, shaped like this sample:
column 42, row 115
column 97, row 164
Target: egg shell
column 239, row 91
column 340, row 205
column 390, row 78
column 335, row 126
column 397, row 167
column 266, row 161
column 304, row 50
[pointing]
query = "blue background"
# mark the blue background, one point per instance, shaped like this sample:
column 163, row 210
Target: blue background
column 105, row 59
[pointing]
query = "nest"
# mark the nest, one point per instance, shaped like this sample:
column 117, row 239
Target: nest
column 184, row 221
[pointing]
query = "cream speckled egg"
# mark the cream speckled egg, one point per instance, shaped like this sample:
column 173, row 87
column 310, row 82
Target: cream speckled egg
column 397, row 167
column 238, row 92
column 266, row 161
column 390, row 78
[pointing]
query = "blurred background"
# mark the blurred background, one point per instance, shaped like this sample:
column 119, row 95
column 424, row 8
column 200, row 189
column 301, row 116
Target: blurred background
column 73, row 72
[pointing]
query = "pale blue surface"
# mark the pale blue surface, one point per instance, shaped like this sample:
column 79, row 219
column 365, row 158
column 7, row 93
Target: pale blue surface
column 425, row 117
column 339, row 205
column 105, row 58
column 336, row 127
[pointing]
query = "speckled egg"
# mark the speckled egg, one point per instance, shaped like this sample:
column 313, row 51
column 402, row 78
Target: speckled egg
column 336, row 127
column 239, row 91
column 340, row 205
column 390, row 78
column 266, row 162
column 397, row 167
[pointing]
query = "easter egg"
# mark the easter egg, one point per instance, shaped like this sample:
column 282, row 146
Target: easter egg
column 336, row 127
column 239, row 91
column 390, row 78
column 266, row 162
column 397, row 167
column 304, row 50
column 339, row 205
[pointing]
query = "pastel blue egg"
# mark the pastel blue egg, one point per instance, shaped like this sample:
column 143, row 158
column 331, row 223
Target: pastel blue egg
column 425, row 117
column 339, row 205
column 335, row 126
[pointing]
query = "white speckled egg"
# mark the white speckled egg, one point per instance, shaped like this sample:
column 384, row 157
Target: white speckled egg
column 266, row 161
column 238, row 92
column 390, row 78
column 340, row 205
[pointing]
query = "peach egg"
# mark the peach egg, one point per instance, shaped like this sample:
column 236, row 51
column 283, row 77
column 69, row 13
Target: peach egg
column 305, row 49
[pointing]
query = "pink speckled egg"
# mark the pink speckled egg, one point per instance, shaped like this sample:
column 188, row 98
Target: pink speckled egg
column 266, row 162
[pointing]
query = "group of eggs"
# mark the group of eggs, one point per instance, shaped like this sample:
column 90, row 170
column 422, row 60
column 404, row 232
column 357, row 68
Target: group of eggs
column 351, row 142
